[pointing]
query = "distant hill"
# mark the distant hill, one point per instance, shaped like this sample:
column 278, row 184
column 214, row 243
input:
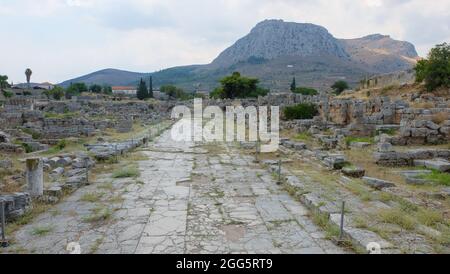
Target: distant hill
column 276, row 51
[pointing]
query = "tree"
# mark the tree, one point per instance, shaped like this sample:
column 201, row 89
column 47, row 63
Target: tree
column 175, row 93
column 142, row 92
column 339, row 87
column 107, row 89
column 3, row 82
column 95, row 88
column 293, row 85
column 75, row 89
column 57, row 93
column 150, row 88
column 435, row 70
column 237, row 86
column 28, row 73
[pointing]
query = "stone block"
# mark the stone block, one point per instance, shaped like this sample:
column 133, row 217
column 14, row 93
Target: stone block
column 377, row 183
column 436, row 164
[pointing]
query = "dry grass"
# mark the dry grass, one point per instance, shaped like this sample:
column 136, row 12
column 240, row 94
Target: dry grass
column 440, row 117
column 425, row 105
column 360, row 157
column 398, row 217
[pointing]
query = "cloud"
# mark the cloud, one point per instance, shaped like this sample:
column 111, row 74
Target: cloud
column 61, row 39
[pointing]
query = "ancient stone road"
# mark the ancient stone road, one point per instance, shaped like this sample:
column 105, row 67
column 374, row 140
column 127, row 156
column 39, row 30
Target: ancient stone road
column 189, row 199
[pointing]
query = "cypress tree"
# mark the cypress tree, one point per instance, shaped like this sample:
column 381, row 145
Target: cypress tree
column 142, row 92
column 293, row 85
column 150, row 88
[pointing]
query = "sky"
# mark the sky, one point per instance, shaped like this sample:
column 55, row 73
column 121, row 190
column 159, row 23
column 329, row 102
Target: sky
column 63, row 39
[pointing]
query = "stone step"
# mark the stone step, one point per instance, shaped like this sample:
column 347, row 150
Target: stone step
column 437, row 164
column 377, row 183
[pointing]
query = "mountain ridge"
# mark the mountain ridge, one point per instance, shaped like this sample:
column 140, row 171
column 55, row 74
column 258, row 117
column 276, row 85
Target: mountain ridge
column 275, row 51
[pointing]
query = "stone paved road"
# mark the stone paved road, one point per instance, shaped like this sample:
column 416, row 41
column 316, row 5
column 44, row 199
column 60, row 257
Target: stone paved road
column 189, row 199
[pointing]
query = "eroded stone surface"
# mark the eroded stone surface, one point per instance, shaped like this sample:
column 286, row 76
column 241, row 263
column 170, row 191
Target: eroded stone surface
column 190, row 198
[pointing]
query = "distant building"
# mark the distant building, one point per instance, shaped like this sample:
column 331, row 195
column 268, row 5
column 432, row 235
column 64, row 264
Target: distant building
column 123, row 90
column 37, row 86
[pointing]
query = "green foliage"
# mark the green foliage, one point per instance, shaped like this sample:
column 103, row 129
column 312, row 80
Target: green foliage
column 305, row 91
column 293, row 85
column 75, row 89
column 237, row 86
column 107, row 89
column 142, row 91
column 95, row 88
column 35, row 135
column 438, row 177
column 8, row 94
column 352, row 139
column 56, row 93
column 435, row 70
column 175, row 93
column 3, row 82
column 303, row 136
column 388, row 131
column 150, row 88
column 27, row 147
column 300, row 111
column 61, row 144
column 339, row 87
column 126, row 172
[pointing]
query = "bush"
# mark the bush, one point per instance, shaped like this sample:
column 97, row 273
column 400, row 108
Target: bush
column 305, row 91
column 8, row 94
column 27, row 147
column 300, row 111
column 61, row 144
column 435, row 71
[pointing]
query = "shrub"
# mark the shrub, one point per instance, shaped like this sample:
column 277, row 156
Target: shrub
column 305, row 91
column 27, row 147
column 300, row 111
column 61, row 144
column 8, row 94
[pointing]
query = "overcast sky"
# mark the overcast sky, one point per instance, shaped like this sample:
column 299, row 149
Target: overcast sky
column 62, row 39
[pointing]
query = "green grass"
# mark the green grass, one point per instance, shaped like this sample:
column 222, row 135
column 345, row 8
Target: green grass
column 304, row 136
column 126, row 172
column 41, row 230
column 91, row 197
column 99, row 214
column 437, row 177
column 388, row 131
column 352, row 139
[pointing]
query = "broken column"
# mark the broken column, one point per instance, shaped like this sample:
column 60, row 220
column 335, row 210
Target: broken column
column 35, row 177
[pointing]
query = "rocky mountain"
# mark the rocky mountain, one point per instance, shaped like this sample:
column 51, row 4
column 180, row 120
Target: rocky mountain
column 380, row 53
column 276, row 51
column 272, row 39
